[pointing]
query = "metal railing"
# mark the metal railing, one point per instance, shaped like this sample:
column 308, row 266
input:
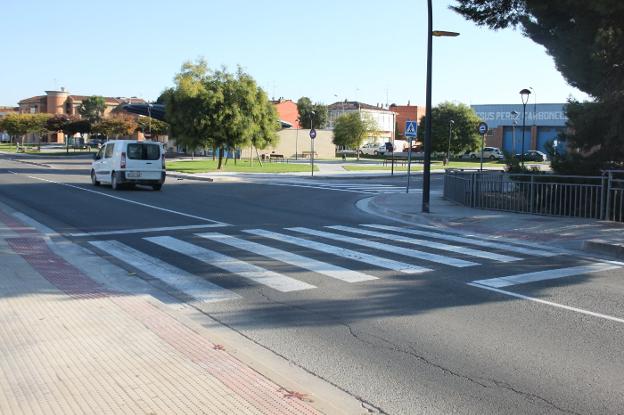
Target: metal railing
column 596, row 197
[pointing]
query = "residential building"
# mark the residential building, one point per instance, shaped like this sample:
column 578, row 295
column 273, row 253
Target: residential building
column 543, row 124
column 287, row 111
column 384, row 118
column 62, row 102
column 406, row 113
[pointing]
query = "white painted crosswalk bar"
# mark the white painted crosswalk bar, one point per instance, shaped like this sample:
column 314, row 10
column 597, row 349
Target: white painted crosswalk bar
column 313, row 265
column 412, row 253
column 252, row 272
column 545, row 275
column 430, row 244
column 189, row 284
column 341, row 252
column 472, row 241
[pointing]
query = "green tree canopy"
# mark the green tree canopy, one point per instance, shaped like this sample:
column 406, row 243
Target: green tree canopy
column 16, row 125
column 156, row 127
column 317, row 113
column 351, row 129
column 116, row 126
column 586, row 41
column 464, row 134
column 92, row 108
column 218, row 108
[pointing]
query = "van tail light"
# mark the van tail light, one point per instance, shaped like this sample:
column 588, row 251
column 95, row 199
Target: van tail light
column 163, row 161
column 123, row 160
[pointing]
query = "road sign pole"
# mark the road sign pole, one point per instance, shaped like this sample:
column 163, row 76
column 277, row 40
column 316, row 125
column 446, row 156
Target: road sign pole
column 312, row 155
column 482, row 143
column 409, row 164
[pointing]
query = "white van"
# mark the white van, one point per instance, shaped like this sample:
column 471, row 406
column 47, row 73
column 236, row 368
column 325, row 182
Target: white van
column 372, row 149
column 129, row 162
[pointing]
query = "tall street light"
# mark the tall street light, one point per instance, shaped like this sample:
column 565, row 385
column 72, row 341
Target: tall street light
column 524, row 95
column 448, row 149
column 514, row 121
column 427, row 143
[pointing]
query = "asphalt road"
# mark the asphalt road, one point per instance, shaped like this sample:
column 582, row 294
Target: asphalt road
column 405, row 334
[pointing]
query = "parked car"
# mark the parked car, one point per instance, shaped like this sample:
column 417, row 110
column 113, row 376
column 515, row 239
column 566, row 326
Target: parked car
column 533, row 155
column 491, row 153
column 372, row 149
column 129, row 162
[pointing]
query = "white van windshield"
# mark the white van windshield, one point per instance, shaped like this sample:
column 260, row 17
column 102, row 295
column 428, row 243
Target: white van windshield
column 142, row 151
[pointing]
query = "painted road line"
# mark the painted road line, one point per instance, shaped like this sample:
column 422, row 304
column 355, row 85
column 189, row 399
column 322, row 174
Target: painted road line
column 412, row 253
column 192, row 285
column 429, row 244
column 322, row 188
column 313, row 265
column 545, row 275
column 549, row 303
column 252, row 272
column 341, row 252
column 472, row 241
column 145, row 230
column 127, row 200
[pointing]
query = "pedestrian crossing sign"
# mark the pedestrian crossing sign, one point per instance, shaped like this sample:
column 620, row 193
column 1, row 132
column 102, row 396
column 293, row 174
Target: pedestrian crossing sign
column 410, row 128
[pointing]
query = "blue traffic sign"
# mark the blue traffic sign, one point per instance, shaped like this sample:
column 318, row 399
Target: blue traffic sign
column 483, row 128
column 411, row 128
column 313, row 134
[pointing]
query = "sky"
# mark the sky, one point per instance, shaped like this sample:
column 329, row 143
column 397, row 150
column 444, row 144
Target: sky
column 328, row 50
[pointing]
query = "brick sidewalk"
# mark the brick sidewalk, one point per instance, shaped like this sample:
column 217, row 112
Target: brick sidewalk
column 70, row 346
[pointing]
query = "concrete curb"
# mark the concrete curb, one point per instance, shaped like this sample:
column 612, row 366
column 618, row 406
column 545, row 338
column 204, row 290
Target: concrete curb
column 600, row 246
column 189, row 177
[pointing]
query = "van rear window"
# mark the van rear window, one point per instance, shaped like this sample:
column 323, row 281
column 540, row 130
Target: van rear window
column 143, row 151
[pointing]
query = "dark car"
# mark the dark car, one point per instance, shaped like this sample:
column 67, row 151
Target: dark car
column 533, row 155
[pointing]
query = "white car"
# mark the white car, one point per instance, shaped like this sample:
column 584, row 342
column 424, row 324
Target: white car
column 129, row 162
column 373, row 149
column 492, row 153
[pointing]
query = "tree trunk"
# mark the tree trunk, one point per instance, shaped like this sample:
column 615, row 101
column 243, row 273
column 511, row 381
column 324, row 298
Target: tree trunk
column 219, row 166
column 250, row 155
column 258, row 157
column 214, row 151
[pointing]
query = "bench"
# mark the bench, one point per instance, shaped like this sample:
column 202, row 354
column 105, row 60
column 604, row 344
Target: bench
column 306, row 154
column 276, row 157
column 401, row 161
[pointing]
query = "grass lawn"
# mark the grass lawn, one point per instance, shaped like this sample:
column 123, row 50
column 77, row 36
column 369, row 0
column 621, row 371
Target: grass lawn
column 32, row 149
column 241, row 166
column 418, row 166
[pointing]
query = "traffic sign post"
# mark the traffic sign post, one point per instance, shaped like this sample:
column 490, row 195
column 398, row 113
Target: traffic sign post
column 312, row 137
column 483, row 129
column 411, row 131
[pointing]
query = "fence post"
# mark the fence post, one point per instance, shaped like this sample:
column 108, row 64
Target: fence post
column 608, row 204
column 531, row 195
column 473, row 188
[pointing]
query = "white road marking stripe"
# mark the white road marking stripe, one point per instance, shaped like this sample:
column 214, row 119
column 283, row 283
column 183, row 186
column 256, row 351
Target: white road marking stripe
column 252, row 272
column 322, row 188
column 545, row 275
column 145, row 230
column 313, row 265
column 127, row 200
column 341, row 252
column 193, row 285
column 472, row 241
column 435, row 245
column 550, row 303
column 412, row 253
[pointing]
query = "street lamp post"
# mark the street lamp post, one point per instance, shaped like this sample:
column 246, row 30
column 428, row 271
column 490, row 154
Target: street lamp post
column 312, row 141
column 427, row 141
column 524, row 95
column 514, row 121
column 448, row 149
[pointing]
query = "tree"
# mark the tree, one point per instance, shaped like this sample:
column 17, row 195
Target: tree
column 217, row 108
column 77, row 126
column 586, row 41
column 115, row 126
column 156, row 127
column 16, row 125
column 37, row 124
column 306, row 108
column 92, row 108
column 464, row 134
column 351, row 129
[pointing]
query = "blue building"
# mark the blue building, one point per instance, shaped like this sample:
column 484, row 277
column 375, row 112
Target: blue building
column 543, row 124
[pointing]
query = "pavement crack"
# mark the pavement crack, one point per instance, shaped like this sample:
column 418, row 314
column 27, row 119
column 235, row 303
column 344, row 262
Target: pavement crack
column 531, row 396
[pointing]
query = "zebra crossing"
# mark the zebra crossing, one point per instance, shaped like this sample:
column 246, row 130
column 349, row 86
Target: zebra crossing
column 363, row 188
column 300, row 247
